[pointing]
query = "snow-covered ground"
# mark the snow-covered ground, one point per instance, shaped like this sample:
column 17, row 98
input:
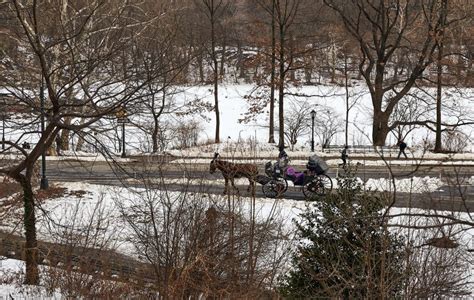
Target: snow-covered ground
column 103, row 204
column 322, row 98
column 188, row 110
column 238, row 140
column 10, row 271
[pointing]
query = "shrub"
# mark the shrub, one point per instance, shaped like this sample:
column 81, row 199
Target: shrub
column 345, row 249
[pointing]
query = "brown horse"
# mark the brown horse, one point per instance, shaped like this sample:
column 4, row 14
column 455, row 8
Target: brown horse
column 231, row 170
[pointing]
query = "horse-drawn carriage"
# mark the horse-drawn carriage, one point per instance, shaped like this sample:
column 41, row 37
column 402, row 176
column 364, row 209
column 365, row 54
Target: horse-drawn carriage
column 313, row 181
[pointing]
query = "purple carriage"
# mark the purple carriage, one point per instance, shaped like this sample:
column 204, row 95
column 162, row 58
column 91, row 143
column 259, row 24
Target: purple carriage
column 314, row 180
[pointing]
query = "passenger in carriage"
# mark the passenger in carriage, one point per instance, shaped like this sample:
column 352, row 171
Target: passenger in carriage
column 295, row 176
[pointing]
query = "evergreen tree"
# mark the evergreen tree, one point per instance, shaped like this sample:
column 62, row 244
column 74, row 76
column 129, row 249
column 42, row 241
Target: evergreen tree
column 345, row 250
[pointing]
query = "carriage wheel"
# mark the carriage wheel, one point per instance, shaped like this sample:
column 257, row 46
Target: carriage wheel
column 283, row 182
column 318, row 186
column 275, row 188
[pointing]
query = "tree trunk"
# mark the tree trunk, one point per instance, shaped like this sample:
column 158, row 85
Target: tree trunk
column 291, row 53
column 307, row 75
column 216, row 78
column 119, row 138
column 255, row 70
column 281, row 86
column 200, row 66
column 469, row 79
column 271, row 133
column 439, row 79
column 216, row 106
column 395, row 70
column 222, row 67
column 333, row 63
column 438, row 146
column 80, row 141
column 65, row 139
column 154, row 135
column 346, row 85
column 240, row 61
column 380, row 129
column 156, row 115
column 29, row 221
column 65, row 134
column 184, row 57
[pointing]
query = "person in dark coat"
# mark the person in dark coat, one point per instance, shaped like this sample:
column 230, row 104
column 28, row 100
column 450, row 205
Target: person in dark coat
column 402, row 146
column 344, row 156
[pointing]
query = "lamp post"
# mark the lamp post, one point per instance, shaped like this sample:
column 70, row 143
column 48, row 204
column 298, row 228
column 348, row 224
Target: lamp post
column 122, row 119
column 3, row 131
column 4, row 116
column 44, row 181
column 313, row 115
column 124, row 154
column 3, row 123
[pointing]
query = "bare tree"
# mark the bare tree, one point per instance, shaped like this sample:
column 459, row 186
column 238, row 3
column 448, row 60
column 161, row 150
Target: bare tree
column 297, row 123
column 410, row 109
column 449, row 53
column 327, row 125
column 439, row 73
column 286, row 12
column 269, row 7
column 214, row 10
column 160, row 51
column 351, row 97
column 415, row 110
column 86, row 45
column 282, row 55
column 381, row 29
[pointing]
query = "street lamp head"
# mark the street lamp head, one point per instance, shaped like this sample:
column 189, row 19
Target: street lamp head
column 313, row 114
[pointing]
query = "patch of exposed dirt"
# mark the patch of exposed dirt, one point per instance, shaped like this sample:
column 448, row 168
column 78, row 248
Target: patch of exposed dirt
column 51, row 193
column 54, row 192
column 10, row 212
column 9, row 188
column 78, row 194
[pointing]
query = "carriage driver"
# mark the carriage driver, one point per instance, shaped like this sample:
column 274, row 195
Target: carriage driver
column 282, row 157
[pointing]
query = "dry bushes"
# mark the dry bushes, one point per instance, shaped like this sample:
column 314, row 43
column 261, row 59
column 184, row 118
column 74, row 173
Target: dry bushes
column 202, row 245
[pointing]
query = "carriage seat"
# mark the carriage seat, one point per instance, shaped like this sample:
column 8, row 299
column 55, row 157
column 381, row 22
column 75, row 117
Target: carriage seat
column 296, row 177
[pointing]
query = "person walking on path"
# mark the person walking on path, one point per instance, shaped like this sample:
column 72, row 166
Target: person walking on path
column 344, row 156
column 402, row 146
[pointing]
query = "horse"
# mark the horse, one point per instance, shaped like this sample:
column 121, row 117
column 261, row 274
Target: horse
column 231, row 170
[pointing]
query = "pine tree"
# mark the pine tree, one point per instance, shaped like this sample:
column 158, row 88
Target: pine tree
column 344, row 249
